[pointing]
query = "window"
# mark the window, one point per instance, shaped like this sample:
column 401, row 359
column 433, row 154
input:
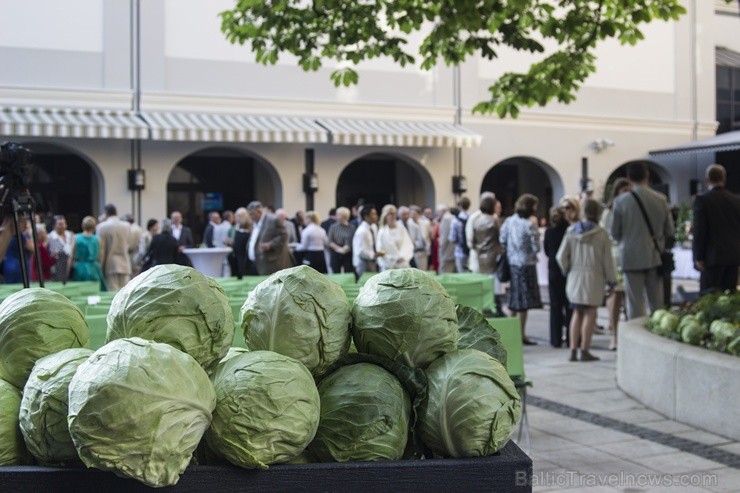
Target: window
column 728, row 98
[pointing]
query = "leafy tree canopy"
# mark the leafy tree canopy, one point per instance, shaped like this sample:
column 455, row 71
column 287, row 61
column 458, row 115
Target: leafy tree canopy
column 350, row 31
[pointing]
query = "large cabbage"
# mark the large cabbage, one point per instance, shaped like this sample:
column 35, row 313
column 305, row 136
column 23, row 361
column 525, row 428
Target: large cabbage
column 139, row 408
column 43, row 416
column 471, row 406
column 35, row 322
column 300, row 313
column 12, row 449
column 404, row 315
column 477, row 333
column 267, row 409
column 176, row 305
column 365, row 416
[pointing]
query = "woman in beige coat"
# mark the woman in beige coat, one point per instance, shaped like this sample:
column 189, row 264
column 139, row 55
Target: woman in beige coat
column 585, row 257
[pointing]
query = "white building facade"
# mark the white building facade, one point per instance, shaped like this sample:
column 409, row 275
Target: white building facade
column 99, row 89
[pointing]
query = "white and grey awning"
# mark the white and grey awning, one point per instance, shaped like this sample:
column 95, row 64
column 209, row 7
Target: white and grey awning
column 220, row 127
column 83, row 123
column 729, row 141
column 181, row 126
column 398, row 133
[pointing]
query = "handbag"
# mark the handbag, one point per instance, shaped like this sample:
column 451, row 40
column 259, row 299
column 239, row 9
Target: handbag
column 503, row 271
column 667, row 264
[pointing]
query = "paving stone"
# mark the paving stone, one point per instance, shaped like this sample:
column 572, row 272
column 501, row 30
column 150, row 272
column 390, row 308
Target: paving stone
column 635, row 449
column 580, row 457
column 667, row 426
column 565, row 426
column 548, row 442
column 679, row 463
column 636, row 416
column 731, row 447
column 601, row 436
column 727, row 480
column 704, row 437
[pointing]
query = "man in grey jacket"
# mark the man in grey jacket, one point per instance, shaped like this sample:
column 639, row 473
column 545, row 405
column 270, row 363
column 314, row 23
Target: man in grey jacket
column 639, row 256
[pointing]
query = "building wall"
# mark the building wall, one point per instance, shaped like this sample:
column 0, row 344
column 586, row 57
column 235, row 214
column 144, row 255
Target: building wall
column 641, row 98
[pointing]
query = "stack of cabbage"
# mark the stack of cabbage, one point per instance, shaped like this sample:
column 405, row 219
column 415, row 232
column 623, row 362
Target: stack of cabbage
column 411, row 376
column 712, row 321
column 427, row 380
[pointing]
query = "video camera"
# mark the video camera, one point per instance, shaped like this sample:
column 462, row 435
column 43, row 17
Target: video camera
column 15, row 172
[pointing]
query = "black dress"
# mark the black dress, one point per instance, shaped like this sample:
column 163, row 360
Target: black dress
column 560, row 310
column 239, row 267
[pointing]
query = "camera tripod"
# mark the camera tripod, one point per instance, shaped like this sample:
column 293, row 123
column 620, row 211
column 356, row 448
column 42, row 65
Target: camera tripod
column 23, row 205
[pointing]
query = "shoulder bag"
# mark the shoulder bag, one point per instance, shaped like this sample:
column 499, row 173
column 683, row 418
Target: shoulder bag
column 667, row 265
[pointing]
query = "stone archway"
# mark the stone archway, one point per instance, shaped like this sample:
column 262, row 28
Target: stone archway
column 64, row 181
column 384, row 178
column 660, row 178
column 218, row 179
column 514, row 176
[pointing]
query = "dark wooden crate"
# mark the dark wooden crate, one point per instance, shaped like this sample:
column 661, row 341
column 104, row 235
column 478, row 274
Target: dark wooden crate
column 508, row 471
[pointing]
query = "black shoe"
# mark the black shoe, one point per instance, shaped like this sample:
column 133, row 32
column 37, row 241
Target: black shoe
column 488, row 313
column 586, row 356
column 529, row 342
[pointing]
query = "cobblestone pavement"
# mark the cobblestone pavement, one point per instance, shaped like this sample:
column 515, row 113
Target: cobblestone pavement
column 588, row 435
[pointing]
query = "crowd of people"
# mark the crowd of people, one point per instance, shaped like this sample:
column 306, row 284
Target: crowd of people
column 596, row 253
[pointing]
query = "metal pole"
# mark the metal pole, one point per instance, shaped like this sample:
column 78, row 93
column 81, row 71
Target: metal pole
column 309, row 171
column 584, row 174
column 457, row 100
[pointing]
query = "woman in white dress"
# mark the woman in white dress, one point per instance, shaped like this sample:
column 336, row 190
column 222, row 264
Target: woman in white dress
column 394, row 240
column 61, row 248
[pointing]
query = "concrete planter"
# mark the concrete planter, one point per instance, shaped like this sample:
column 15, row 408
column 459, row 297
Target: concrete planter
column 685, row 383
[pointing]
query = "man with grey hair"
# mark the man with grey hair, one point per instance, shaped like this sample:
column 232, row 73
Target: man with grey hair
column 469, row 227
column 114, row 235
column 414, row 231
column 268, row 243
column 639, row 249
column 446, row 248
column 422, row 256
column 716, row 243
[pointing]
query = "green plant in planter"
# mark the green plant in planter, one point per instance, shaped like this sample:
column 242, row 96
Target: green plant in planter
column 684, row 222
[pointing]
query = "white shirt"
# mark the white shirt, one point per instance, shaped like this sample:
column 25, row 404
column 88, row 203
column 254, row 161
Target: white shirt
column 253, row 238
column 176, row 231
column 220, row 233
column 399, row 249
column 313, row 239
column 363, row 243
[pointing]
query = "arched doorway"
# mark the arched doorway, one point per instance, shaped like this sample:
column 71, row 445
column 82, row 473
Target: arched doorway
column 514, row 176
column 64, row 182
column 384, row 179
column 218, row 179
column 659, row 179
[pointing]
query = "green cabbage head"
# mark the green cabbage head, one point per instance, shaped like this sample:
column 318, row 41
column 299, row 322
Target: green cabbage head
column 43, row 416
column 300, row 313
column 471, row 406
column 176, row 305
column 404, row 315
column 12, row 449
column 36, row 322
column 139, row 408
column 267, row 409
column 364, row 416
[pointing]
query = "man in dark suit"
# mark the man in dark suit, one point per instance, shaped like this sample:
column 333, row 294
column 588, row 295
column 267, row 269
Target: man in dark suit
column 640, row 257
column 268, row 243
column 716, row 243
column 182, row 234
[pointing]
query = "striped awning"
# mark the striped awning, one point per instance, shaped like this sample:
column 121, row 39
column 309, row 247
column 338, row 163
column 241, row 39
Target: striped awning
column 398, row 133
column 728, row 141
column 222, row 127
column 727, row 58
column 80, row 123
